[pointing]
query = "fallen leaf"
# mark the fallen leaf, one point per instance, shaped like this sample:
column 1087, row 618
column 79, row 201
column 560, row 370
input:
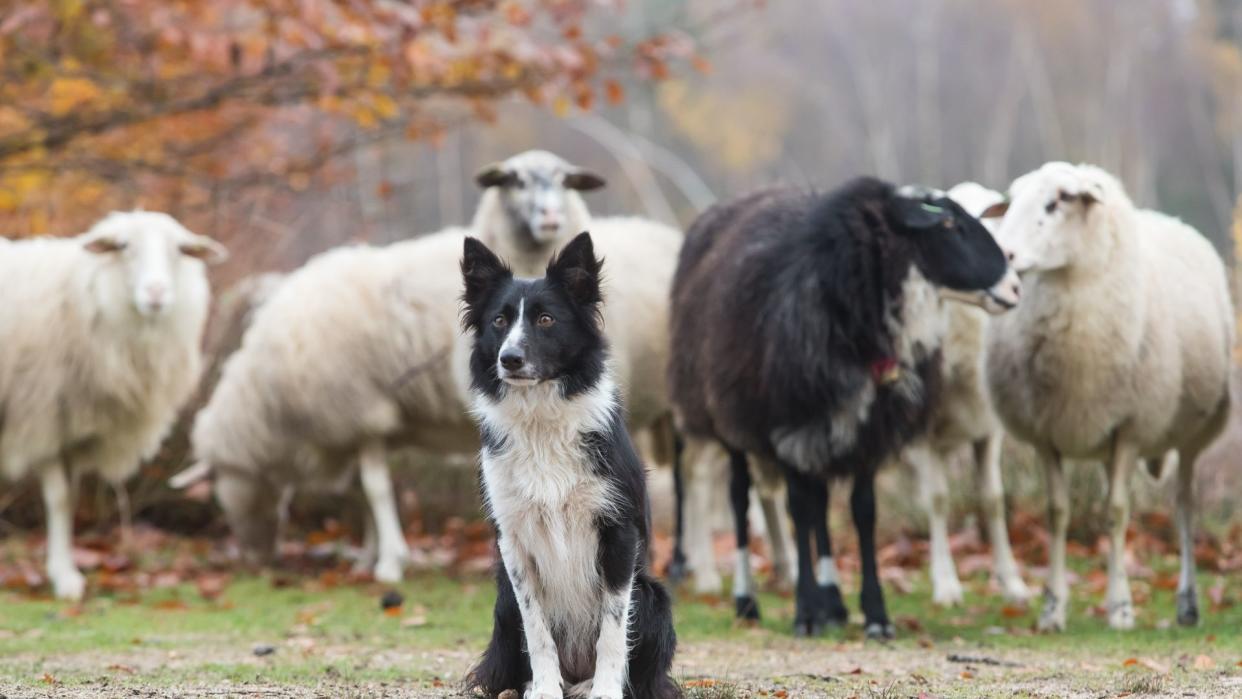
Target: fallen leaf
column 967, row 675
column 48, row 678
column 1012, row 611
column 117, row 667
column 1204, row 662
column 1130, row 662
column 1153, row 666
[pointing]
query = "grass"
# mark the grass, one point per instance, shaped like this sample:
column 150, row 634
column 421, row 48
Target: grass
column 338, row 637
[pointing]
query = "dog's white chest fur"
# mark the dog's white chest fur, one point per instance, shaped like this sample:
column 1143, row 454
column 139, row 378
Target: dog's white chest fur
column 546, row 501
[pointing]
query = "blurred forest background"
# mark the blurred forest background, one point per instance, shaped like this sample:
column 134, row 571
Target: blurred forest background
column 284, row 128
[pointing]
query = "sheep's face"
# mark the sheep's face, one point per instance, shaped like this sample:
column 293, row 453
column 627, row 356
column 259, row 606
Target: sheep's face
column 1047, row 224
column 953, row 250
column 987, row 205
column 148, row 249
column 535, row 190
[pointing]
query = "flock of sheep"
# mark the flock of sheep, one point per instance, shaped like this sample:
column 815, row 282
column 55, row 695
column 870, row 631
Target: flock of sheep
column 1119, row 351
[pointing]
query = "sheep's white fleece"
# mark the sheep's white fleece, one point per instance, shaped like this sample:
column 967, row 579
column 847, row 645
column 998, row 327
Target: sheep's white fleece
column 82, row 375
column 1136, row 333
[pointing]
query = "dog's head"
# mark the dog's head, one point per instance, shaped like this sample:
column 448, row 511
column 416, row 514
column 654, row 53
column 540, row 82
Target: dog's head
column 529, row 331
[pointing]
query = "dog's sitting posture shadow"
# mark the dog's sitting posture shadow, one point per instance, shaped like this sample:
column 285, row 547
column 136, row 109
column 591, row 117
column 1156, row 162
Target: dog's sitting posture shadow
column 577, row 613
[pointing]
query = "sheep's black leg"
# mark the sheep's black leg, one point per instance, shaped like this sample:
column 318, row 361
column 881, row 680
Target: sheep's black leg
column 862, row 505
column 745, row 603
column 807, row 622
column 678, row 567
column 831, row 604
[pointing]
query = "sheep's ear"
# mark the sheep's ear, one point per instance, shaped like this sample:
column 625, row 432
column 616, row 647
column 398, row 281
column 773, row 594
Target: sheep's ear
column 996, row 210
column 495, row 175
column 918, row 214
column 482, row 272
column 576, row 269
column 583, row 180
column 200, row 247
column 103, row 243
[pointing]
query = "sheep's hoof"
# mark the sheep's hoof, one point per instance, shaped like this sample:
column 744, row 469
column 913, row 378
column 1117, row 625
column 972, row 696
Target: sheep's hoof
column 746, row 608
column 833, row 611
column 678, row 569
column 880, row 631
column 809, row 628
column 1188, row 608
column 388, row 571
column 947, row 594
column 69, row 585
column 1015, row 590
column 1121, row 615
column 1052, row 618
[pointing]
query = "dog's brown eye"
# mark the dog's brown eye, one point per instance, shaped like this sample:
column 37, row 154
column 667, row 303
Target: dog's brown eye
column 545, row 320
column 499, row 322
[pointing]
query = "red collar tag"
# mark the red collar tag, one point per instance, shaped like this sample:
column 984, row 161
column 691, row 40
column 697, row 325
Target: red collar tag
column 885, row 370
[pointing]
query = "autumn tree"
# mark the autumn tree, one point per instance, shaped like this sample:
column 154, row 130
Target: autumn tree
column 173, row 104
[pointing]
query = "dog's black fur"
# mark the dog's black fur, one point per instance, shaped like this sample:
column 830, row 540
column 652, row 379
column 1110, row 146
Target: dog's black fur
column 570, row 351
column 780, row 312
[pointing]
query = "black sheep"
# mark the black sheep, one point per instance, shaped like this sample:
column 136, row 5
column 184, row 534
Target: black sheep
column 805, row 330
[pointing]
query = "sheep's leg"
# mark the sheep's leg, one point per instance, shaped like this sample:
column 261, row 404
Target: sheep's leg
column 987, row 454
column 744, row 601
column 831, row 611
column 126, row 514
column 1187, row 593
column 370, row 547
column 1120, row 606
column 946, row 587
column 699, row 548
column 67, row 581
column 677, row 567
column 862, row 506
column 377, row 483
column 1056, row 592
column 768, row 484
column 800, row 490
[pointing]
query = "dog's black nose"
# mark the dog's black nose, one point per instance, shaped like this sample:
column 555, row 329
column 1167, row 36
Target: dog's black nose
column 512, row 360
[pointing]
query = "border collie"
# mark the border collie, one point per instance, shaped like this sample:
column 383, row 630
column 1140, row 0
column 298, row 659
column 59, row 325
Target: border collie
column 576, row 613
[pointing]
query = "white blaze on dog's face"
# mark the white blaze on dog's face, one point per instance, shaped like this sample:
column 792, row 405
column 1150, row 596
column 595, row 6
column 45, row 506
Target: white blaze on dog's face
column 147, row 249
column 535, row 189
column 1047, row 224
column 528, row 331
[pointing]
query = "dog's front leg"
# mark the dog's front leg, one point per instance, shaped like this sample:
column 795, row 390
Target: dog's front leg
column 545, row 664
column 619, row 546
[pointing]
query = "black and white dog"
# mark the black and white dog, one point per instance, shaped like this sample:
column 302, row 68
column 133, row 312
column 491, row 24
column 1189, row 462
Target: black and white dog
column 576, row 612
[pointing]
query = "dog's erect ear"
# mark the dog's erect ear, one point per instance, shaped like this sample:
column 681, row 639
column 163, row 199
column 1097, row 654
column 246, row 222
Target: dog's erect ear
column 495, row 175
column 482, row 272
column 576, row 269
column 583, row 180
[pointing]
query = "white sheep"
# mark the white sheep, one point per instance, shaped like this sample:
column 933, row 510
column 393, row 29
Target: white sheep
column 359, row 351
column 1119, row 351
column 101, row 348
column 963, row 418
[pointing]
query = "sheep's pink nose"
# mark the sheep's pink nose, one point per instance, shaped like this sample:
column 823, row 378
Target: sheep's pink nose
column 156, row 294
